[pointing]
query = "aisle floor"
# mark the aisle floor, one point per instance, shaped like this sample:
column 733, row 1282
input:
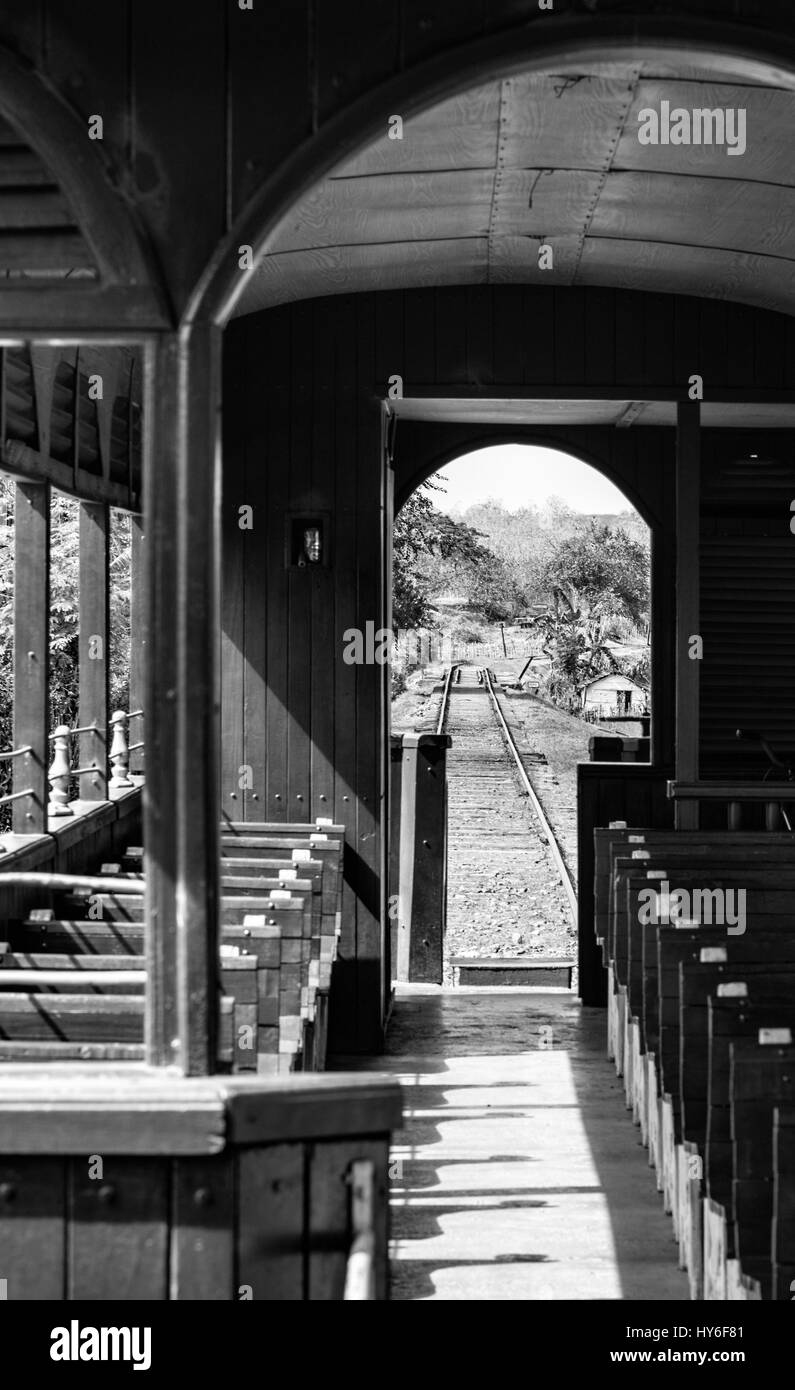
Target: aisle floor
column 519, row 1173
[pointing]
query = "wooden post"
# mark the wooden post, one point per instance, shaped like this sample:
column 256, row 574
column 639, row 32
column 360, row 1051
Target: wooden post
column 137, row 640
column 60, row 773
column 31, row 654
column 182, row 697
column 395, row 799
column 94, row 647
column 119, row 751
column 688, row 607
column 423, row 858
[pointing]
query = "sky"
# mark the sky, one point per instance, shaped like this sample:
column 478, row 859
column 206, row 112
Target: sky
column 519, row 475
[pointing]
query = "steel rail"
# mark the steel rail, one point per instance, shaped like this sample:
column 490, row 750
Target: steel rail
column 452, row 668
column 568, row 886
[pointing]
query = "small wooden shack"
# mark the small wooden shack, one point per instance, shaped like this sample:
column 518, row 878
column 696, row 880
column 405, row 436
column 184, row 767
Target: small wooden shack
column 614, row 695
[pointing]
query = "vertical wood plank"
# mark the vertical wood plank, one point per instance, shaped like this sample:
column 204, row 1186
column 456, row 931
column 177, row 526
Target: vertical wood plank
column 534, row 348
column 273, row 371
column 270, row 1232
column 300, row 652
column 202, row 1259
column 181, row 825
column 118, row 1230
column 599, row 336
column 234, row 552
column 31, row 653
column 344, row 676
column 451, row 336
column 688, row 608
column 268, row 119
column 419, row 320
column 184, row 197
column 368, row 863
column 32, row 1228
column 356, row 48
column 323, row 710
column 258, row 545
column 100, row 87
column 480, row 345
column 137, row 640
column 22, row 27
column 94, row 647
column 330, row 1235
column 429, row 27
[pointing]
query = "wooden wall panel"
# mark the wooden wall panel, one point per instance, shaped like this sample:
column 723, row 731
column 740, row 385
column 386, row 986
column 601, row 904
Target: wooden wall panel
column 302, row 657
column 367, row 865
column 307, row 385
column 272, row 357
column 180, row 132
column 118, row 1246
column 253, row 422
column 237, row 548
column 22, row 27
column 270, row 1239
column 32, row 1228
column 202, row 1229
column 322, row 602
column 268, row 119
column 355, row 47
column 74, row 35
column 347, row 615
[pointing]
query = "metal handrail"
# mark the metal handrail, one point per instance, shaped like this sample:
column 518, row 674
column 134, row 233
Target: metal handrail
column 16, row 752
column 14, row 796
column 75, row 883
column 81, row 729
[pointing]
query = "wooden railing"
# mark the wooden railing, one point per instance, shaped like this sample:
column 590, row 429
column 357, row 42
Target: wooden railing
column 115, row 777
column 772, row 795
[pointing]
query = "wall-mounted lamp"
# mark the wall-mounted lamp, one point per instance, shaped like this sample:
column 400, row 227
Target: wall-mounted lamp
column 313, row 546
column 307, row 545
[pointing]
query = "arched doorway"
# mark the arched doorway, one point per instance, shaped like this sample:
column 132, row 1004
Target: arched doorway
column 525, row 563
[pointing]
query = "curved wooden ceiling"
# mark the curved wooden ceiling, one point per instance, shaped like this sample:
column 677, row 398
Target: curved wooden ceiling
column 478, row 183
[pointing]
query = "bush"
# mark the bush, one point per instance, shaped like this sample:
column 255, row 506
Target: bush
column 467, row 634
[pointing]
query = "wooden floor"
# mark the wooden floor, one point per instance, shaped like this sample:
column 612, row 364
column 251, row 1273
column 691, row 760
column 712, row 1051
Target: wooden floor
column 519, row 1174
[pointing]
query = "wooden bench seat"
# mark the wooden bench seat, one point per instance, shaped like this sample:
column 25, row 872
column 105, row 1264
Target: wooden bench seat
column 280, row 911
column 783, row 1232
column 684, row 999
column 762, row 1077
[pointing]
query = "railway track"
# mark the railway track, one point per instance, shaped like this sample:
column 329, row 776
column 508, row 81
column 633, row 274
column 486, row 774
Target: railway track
column 511, row 902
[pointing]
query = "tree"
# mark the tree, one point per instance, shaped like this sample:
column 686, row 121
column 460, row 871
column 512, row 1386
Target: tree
column 575, row 636
column 429, row 547
column 606, row 567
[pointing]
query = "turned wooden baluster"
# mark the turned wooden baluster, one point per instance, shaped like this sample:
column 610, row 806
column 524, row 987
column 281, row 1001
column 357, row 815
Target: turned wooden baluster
column 60, row 773
column 119, row 751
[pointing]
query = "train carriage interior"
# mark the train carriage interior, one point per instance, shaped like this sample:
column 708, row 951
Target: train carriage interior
column 300, row 263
